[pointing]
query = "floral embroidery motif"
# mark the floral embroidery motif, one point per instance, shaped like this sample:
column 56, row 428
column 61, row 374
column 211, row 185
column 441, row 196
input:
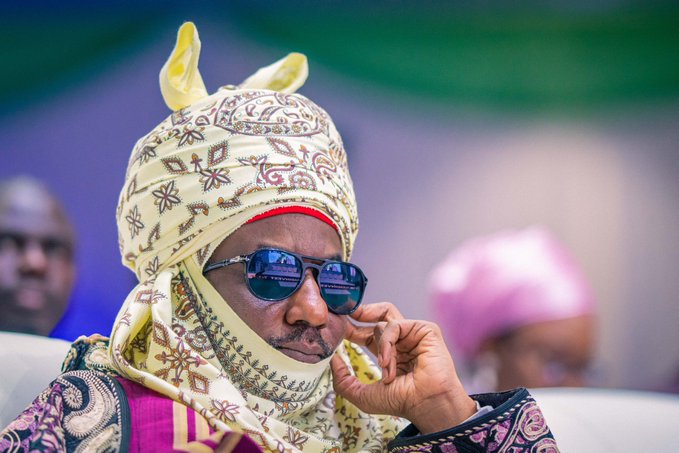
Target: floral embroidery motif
column 134, row 221
column 166, row 197
column 227, row 410
column 189, row 135
column 80, row 411
column 180, row 360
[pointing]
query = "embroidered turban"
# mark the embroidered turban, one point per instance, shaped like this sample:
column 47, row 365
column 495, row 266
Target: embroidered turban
column 229, row 156
column 217, row 162
column 491, row 285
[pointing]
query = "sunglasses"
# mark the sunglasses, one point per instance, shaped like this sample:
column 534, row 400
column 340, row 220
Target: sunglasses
column 273, row 274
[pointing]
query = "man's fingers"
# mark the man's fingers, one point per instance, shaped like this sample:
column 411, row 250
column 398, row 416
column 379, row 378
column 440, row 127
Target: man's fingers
column 378, row 312
column 345, row 384
column 380, row 339
column 370, row 398
column 386, row 357
column 362, row 335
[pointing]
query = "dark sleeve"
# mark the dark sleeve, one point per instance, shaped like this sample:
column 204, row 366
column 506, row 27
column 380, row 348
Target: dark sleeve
column 516, row 424
column 83, row 410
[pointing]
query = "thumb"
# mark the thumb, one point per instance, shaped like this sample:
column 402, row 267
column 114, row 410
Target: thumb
column 348, row 386
column 344, row 382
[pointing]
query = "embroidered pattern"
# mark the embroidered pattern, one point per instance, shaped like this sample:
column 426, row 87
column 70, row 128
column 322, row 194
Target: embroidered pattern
column 80, row 411
column 198, row 146
column 522, row 428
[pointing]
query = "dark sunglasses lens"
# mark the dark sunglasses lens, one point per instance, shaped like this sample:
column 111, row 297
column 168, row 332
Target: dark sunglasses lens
column 273, row 274
column 342, row 287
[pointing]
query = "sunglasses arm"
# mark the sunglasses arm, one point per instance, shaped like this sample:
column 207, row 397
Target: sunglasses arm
column 224, row 263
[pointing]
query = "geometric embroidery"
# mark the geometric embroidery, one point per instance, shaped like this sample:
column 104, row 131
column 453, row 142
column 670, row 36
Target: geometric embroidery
column 160, row 335
column 194, row 209
column 132, row 187
column 144, row 296
column 174, row 165
column 149, row 296
column 229, row 204
column 154, row 235
column 201, row 254
column 217, row 153
column 199, row 383
column 198, row 208
column 281, row 146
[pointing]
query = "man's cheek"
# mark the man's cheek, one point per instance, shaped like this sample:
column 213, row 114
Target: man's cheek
column 339, row 330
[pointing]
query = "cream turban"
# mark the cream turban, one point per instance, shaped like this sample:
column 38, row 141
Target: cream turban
column 228, row 156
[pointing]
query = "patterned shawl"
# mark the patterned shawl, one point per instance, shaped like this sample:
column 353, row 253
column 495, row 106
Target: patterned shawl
column 215, row 163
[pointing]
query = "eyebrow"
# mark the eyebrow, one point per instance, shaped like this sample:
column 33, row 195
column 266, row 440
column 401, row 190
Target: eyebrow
column 64, row 240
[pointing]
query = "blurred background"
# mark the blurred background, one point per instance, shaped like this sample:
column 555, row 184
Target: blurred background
column 458, row 120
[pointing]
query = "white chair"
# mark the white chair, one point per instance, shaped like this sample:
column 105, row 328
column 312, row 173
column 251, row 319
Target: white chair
column 607, row 420
column 28, row 363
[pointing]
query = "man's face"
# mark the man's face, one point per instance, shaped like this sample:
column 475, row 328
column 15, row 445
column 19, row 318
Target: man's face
column 547, row 354
column 300, row 326
column 36, row 263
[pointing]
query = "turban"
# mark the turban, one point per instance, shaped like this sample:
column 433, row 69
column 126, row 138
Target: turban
column 225, row 158
column 217, row 162
column 492, row 285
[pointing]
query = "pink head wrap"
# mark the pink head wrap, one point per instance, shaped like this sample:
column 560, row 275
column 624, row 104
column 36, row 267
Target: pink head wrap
column 492, row 285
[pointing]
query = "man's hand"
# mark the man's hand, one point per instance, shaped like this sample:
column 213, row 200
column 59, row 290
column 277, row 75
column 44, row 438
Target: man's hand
column 419, row 381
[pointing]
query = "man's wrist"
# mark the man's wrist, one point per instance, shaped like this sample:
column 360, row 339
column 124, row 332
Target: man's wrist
column 443, row 412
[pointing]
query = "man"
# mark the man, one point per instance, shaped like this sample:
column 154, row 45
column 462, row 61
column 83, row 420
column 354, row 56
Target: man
column 238, row 216
column 517, row 309
column 37, row 269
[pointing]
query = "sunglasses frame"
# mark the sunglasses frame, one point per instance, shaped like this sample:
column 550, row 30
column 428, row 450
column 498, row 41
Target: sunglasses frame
column 304, row 259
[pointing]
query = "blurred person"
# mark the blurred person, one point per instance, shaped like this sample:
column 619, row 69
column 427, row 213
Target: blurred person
column 220, row 347
column 37, row 268
column 516, row 310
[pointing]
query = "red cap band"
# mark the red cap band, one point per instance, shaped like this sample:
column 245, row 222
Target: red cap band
column 295, row 210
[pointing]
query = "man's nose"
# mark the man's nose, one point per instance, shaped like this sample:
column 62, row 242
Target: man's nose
column 33, row 258
column 306, row 304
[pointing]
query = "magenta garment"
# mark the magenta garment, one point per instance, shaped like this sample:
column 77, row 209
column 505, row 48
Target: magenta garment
column 158, row 423
column 491, row 285
column 85, row 410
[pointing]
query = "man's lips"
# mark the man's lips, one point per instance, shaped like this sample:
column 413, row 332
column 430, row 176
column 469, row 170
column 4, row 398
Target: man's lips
column 303, row 353
column 30, row 297
column 303, row 343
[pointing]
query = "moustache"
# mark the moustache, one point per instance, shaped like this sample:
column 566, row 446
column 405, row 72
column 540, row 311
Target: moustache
column 303, row 333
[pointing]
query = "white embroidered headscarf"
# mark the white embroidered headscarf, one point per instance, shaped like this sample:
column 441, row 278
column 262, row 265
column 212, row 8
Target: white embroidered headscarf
column 218, row 161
